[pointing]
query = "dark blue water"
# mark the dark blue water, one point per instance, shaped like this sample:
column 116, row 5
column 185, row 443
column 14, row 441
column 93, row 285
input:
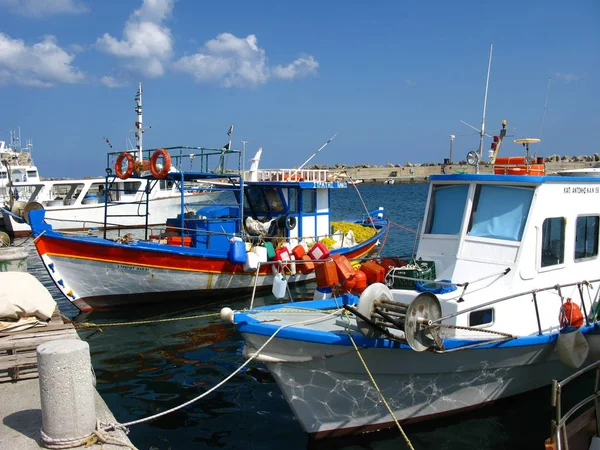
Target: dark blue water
column 145, row 369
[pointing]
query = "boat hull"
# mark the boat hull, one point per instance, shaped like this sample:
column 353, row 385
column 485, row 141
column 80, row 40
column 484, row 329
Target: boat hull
column 331, row 394
column 97, row 274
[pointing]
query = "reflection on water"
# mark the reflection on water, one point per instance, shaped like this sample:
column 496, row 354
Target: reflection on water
column 145, row 369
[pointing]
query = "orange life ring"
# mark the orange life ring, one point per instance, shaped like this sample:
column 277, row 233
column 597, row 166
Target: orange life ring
column 166, row 166
column 119, row 165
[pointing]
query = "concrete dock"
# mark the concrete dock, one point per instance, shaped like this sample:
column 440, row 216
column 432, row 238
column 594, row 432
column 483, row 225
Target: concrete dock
column 20, row 407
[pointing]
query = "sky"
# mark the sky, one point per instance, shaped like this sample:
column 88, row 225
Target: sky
column 394, row 79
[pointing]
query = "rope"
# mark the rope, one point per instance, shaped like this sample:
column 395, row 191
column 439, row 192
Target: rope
column 98, row 436
column 363, row 203
column 139, row 322
column 403, row 228
column 408, row 444
column 221, row 383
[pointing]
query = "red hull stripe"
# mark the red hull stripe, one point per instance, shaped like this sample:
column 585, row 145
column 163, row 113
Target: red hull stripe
column 136, row 256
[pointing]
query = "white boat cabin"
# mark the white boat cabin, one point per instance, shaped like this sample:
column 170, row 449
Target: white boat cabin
column 503, row 235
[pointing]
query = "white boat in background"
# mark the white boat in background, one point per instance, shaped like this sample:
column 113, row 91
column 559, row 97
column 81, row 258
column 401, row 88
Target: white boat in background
column 75, row 205
column 584, row 172
column 16, row 165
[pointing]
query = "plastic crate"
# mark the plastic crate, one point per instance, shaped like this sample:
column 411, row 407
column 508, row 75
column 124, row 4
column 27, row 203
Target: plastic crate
column 426, row 272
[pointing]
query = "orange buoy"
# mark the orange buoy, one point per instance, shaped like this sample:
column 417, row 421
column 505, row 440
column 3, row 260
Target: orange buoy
column 349, row 284
column 570, row 314
column 119, row 165
column 162, row 172
column 360, row 282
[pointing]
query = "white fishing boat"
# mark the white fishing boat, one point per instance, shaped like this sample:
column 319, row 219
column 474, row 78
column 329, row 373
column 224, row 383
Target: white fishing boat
column 75, row 205
column 500, row 298
column 16, row 165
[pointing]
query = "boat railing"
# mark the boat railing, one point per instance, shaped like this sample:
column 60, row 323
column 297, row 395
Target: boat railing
column 311, row 175
column 559, row 424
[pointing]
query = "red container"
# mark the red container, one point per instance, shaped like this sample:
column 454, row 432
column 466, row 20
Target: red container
column 349, row 284
column 282, row 254
column 344, row 268
column 298, row 251
column 326, row 273
column 360, row 282
column 374, row 272
column 176, row 240
column 318, row 251
column 306, row 267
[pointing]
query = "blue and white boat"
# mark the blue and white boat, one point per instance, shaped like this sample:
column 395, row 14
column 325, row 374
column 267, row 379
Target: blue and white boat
column 500, row 298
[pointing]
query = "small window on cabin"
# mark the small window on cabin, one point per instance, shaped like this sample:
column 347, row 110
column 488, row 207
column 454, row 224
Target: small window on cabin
column 309, row 200
column 482, row 317
column 3, row 175
column 553, row 241
column 32, row 174
column 446, row 209
column 500, row 212
column 292, row 200
column 274, row 200
column 255, row 199
column 586, row 237
column 130, row 187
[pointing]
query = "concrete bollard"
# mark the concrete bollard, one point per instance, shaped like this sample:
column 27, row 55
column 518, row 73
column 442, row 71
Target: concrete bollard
column 66, row 390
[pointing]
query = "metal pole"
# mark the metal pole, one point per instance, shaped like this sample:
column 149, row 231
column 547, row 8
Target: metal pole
column 244, row 155
column 487, row 82
column 451, row 142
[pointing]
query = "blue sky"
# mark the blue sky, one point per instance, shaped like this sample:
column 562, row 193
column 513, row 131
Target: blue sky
column 393, row 78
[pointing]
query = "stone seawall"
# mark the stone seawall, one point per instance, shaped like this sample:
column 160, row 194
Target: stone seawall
column 410, row 174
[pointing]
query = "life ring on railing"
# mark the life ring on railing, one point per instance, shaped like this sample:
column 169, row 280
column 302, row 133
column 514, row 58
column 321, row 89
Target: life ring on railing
column 294, row 177
column 164, row 170
column 119, row 165
column 570, row 314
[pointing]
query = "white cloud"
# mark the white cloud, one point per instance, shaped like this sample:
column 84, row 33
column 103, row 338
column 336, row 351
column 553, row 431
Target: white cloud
column 39, row 8
column 567, row 77
column 234, row 61
column 146, row 43
column 43, row 64
column 409, row 82
column 111, row 82
column 300, row 68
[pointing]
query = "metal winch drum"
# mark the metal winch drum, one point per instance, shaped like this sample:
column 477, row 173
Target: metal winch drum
column 22, row 209
column 414, row 322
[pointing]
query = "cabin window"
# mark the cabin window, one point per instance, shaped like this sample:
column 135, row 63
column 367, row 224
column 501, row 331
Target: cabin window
column 274, row 200
column 446, row 209
column 32, row 174
column 309, row 200
column 293, row 200
column 255, row 199
column 500, row 212
column 130, row 187
column 482, row 317
column 586, row 237
column 553, row 241
column 3, row 175
column 166, row 184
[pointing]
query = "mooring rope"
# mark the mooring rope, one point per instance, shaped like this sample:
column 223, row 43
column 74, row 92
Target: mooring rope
column 406, row 439
column 113, row 426
column 138, row 322
column 98, row 436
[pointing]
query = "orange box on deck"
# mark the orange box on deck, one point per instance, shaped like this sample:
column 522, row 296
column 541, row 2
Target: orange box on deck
column 374, row 272
column 176, row 240
column 298, row 251
column 305, row 267
column 326, row 273
column 344, row 268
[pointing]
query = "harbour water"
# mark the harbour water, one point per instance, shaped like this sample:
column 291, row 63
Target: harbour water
column 145, row 369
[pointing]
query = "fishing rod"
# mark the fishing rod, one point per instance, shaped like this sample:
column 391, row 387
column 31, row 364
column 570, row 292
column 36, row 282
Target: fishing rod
column 313, row 155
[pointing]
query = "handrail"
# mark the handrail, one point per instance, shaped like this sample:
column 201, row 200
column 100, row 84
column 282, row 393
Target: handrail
column 559, row 425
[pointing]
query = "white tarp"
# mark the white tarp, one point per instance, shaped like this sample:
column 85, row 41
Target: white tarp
column 22, row 295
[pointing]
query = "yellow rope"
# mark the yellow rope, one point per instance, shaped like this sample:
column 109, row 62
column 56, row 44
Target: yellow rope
column 139, row 322
column 380, row 393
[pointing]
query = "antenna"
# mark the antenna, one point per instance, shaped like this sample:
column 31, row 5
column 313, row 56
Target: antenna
column 545, row 107
column 487, row 83
column 313, row 155
column 139, row 130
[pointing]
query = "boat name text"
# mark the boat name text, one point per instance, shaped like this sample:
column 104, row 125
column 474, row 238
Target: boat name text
column 581, row 190
column 135, row 268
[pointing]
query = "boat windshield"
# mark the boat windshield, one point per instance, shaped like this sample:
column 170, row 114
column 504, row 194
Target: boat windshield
column 446, row 209
column 500, row 212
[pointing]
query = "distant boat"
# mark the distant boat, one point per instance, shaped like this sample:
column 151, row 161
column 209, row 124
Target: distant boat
column 585, row 172
column 81, row 204
column 389, row 181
